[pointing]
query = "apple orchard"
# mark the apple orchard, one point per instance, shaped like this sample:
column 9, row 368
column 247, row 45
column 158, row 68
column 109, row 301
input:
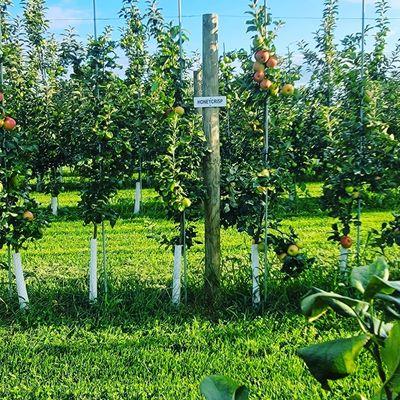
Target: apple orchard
column 245, row 180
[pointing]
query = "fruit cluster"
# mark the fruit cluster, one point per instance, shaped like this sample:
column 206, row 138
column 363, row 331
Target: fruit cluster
column 264, row 61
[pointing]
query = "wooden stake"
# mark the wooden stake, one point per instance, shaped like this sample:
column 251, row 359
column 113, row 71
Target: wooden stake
column 212, row 164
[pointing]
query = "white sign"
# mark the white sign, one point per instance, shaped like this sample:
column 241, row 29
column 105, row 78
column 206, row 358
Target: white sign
column 210, row 102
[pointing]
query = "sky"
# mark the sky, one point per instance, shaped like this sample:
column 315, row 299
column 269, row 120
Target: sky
column 301, row 17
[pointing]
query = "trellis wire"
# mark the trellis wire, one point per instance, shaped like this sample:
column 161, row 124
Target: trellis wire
column 103, row 229
column 266, row 164
column 183, row 224
column 362, row 127
column 228, row 109
column 10, row 274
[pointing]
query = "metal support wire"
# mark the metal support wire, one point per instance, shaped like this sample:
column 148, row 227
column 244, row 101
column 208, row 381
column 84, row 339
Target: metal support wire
column 266, row 215
column 183, row 216
column 10, row 273
column 100, row 149
column 185, row 261
column 266, row 164
column 362, row 128
column 180, row 41
column 228, row 109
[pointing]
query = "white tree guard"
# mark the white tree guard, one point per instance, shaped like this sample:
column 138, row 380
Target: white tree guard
column 93, row 271
column 138, row 197
column 54, row 206
column 176, row 278
column 344, row 255
column 255, row 267
column 21, row 285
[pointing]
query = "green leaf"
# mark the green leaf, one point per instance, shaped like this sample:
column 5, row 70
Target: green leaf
column 390, row 299
column 334, row 359
column 218, row 387
column 361, row 276
column 391, row 357
column 316, row 304
column 378, row 285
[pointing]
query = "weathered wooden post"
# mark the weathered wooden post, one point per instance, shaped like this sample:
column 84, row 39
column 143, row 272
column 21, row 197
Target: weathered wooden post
column 212, row 164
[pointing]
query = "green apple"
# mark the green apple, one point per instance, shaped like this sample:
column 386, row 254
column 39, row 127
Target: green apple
column 288, row 90
column 186, row 203
column 349, row 189
column 293, row 250
column 179, row 110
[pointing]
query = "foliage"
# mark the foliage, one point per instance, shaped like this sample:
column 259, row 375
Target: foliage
column 177, row 142
column 378, row 304
column 222, row 388
column 21, row 221
column 105, row 143
column 387, row 236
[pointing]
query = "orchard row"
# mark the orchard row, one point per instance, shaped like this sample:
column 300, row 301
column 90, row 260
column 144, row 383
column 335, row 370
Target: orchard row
column 73, row 109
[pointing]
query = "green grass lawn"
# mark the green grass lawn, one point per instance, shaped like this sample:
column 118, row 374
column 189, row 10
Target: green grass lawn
column 137, row 346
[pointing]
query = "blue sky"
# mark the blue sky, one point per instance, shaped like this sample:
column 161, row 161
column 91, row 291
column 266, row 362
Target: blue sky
column 302, row 18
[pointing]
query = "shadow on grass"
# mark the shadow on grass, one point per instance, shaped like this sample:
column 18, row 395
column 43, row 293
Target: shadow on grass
column 132, row 302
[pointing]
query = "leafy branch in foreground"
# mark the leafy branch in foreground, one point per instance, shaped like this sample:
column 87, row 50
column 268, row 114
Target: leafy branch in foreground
column 377, row 307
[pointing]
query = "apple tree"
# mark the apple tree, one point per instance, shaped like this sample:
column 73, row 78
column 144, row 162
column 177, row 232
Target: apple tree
column 176, row 141
column 21, row 221
column 43, row 74
column 255, row 174
column 361, row 155
column 134, row 43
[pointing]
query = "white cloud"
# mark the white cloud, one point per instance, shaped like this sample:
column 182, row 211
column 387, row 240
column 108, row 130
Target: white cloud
column 61, row 17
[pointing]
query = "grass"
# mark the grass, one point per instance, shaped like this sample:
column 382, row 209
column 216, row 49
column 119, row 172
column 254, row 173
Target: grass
column 137, row 346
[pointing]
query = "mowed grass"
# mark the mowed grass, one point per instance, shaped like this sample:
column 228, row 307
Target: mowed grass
column 136, row 345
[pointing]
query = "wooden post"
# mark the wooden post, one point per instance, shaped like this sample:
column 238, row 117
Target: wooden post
column 197, row 83
column 212, row 165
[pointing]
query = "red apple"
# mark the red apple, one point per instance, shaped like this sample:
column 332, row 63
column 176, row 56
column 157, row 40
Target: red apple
column 265, row 84
column 346, row 242
column 262, row 56
column 258, row 76
column 9, row 123
column 1, row 97
column 272, row 62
